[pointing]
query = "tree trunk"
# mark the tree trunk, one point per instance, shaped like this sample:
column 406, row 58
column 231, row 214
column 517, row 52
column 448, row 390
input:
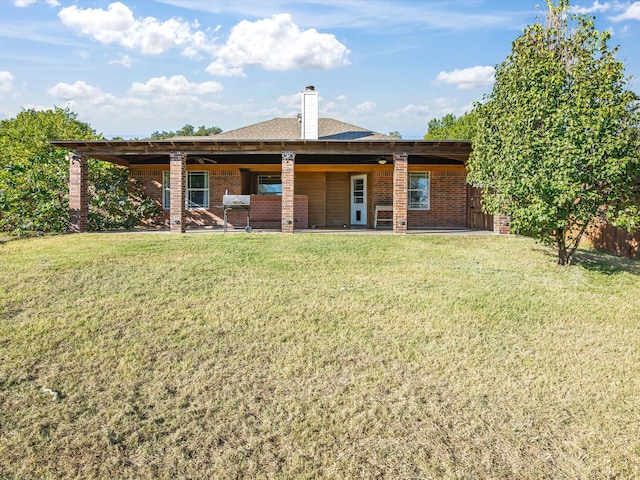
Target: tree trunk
column 566, row 252
column 562, row 247
column 576, row 243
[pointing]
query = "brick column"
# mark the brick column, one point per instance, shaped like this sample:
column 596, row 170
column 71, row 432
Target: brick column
column 288, row 191
column 501, row 224
column 400, row 187
column 78, row 196
column 177, row 182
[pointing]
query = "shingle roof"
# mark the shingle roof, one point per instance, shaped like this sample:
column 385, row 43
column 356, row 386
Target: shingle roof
column 289, row 129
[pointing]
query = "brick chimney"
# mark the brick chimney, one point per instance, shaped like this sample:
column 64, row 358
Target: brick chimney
column 309, row 118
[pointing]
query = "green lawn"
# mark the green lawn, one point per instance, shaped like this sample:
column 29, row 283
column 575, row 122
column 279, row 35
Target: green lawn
column 316, row 356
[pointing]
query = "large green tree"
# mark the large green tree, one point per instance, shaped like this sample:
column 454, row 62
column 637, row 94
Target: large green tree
column 451, row 127
column 556, row 143
column 34, row 177
column 186, row 131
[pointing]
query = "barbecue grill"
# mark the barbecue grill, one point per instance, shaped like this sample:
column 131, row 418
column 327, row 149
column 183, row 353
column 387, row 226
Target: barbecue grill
column 237, row 202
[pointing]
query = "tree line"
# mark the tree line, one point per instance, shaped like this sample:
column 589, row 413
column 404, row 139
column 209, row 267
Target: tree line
column 34, row 176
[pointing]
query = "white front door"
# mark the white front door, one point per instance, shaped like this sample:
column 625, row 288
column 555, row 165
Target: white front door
column 359, row 200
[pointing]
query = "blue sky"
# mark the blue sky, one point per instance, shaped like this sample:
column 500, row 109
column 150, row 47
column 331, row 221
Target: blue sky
column 132, row 67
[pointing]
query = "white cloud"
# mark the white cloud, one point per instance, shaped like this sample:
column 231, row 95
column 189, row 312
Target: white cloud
column 596, row 7
column 117, row 25
column 146, row 110
column 443, row 102
column 76, row 91
column 468, row 78
column 433, row 108
column 124, row 60
column 81, row 53
column 291, row 101
column 328, row 107
column 366, row 107
column 216, row 107
column 220, row 70
column 466, row 108
column 84, row 97
column 270, row 112
column 277, row 43
column 26, row 3
column 6, row 82
column 175, row 85
column 411, row 109
column 242, row 113
column 235, row 109
column 631, row 13
column 274, row 43
column 351, row 14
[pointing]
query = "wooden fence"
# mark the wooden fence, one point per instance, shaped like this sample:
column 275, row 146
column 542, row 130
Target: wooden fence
column 616, row 241
column 475, row 218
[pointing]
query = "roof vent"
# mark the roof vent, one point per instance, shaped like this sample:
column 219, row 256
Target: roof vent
column 309, row 130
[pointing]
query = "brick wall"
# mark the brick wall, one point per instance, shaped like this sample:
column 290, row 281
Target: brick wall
column 265, row 209
column 448, row 197
column 150, row 182
column 78, row 194
column 501, row 224
column 382, row 191
column 448, row 201
column 288, row 191
column 178, row 175
column 381, row 194
column 222, row 180
column 400, row 201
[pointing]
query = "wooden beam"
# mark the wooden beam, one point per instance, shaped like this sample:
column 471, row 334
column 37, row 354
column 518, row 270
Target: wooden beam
column 123, row 152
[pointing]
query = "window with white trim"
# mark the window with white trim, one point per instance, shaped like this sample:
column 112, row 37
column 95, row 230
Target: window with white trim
column 197, row 194
column 419, row 191
column 269, row 185
column 197, row 190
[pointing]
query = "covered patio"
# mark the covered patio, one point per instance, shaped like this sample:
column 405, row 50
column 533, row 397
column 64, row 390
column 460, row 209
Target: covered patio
column 313, row 174
column 292, row 174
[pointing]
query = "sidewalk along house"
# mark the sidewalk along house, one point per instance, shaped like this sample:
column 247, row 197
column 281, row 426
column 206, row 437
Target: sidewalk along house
column 305, row 172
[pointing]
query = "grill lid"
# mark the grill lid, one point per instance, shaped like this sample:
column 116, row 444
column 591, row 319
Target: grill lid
column 238, row 201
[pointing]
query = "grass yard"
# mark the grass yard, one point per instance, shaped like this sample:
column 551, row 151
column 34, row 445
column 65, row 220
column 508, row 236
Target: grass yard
column 316, row 356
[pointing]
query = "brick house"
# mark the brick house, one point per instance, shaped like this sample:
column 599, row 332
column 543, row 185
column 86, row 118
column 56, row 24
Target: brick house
column 305, row 172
